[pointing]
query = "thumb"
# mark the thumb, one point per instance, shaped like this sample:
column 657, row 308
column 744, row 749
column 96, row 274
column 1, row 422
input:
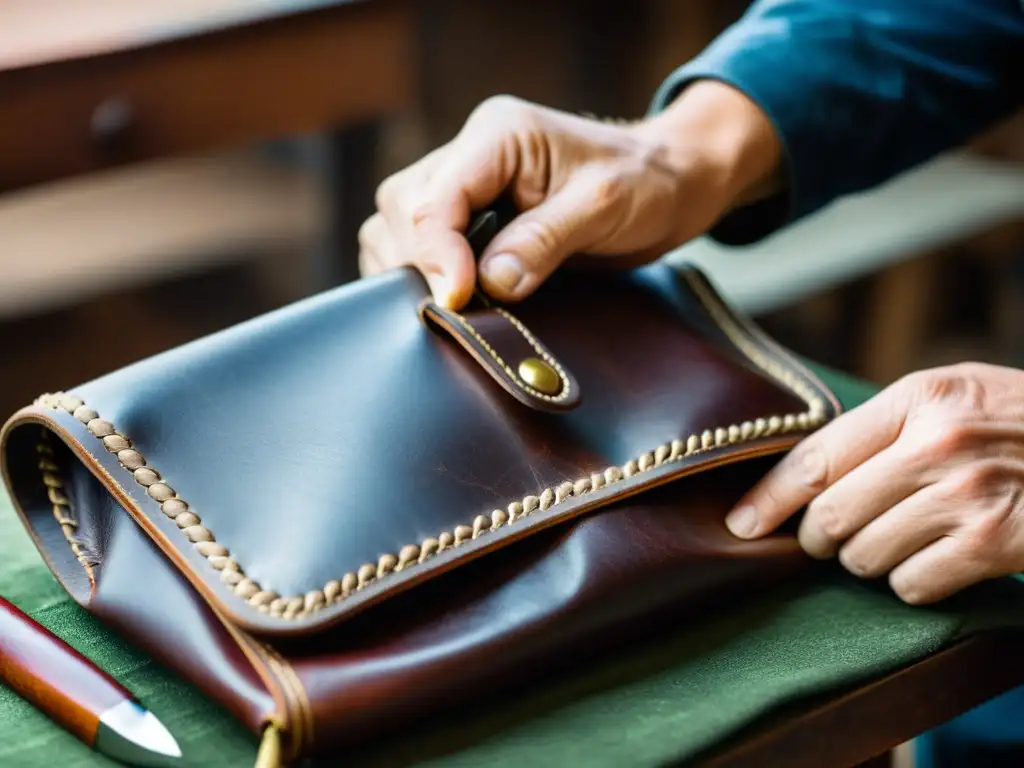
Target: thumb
column 525, row 253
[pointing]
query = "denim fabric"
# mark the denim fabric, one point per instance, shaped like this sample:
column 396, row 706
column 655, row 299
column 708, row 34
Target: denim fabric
column 861, row 90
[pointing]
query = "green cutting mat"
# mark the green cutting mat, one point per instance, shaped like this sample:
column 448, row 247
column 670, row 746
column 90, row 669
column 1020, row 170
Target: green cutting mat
column 665, row 701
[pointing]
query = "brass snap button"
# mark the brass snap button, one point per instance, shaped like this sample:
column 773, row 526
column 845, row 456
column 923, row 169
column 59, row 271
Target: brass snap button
column 539, row 375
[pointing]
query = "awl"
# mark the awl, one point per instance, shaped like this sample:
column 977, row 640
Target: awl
column 78, row 695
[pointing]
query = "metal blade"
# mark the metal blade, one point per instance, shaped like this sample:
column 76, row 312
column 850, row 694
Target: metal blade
column 132, row 734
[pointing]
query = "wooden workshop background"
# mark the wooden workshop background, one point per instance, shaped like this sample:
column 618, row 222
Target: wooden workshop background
column 102, row 269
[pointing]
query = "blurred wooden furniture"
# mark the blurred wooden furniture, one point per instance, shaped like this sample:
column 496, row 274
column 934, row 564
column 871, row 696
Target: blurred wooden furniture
column 108, row 233
column 860, row 726
column 87, row 87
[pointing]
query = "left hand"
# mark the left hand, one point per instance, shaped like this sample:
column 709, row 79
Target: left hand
column 924, row 482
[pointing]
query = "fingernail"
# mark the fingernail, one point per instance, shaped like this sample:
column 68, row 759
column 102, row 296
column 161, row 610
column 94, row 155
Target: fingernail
column 502, row 270
column 440, row 288
column 742, row 521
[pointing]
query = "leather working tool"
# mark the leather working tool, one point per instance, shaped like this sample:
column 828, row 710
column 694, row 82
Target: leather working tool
column 78, row 695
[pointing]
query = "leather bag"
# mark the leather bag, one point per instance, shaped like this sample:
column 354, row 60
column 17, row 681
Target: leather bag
column 363, row 509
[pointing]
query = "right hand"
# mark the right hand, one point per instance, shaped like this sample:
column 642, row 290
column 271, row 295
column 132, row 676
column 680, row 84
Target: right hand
column 582, row 186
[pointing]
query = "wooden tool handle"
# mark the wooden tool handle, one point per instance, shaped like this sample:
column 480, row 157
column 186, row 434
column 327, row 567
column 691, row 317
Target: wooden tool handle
column 52, row 675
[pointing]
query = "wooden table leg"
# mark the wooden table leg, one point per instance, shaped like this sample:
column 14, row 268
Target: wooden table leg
column 346, row 162
column 897, row 318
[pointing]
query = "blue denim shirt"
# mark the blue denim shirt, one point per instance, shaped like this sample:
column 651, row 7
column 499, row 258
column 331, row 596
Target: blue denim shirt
column 860, row 90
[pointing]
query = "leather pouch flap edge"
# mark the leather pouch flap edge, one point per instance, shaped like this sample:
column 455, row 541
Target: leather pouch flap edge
column 111, row 458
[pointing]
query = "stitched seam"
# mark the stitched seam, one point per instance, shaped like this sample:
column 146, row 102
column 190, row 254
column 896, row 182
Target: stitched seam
column 304, row 714
column 296, row 715
column 61, row 505
column 62, row 510
column 788, row 377
column 747, row 333
column 532, row 341
column 337, row 590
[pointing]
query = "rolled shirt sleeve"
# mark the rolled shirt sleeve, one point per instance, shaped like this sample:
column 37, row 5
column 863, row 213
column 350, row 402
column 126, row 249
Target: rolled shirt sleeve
column 860, row 90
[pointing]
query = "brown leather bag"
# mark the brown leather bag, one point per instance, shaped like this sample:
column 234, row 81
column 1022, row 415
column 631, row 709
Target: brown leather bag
column 320, row 514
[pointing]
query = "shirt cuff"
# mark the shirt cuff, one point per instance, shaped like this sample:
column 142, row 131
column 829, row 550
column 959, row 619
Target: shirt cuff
column 753, row 222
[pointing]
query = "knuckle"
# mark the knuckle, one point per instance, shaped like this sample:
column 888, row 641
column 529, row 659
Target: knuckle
column 828, row 520
column 992, row 481
column 957, row 384
column 534, row 177
column 387, row 192
column 915, row 381
column 423, row 212
column 1002, row 505
column 812, row 466
column 610, row 190
column 823, row 529
column 983, row 482
column 1013, row 499
column 946, row 440
column 501, row 107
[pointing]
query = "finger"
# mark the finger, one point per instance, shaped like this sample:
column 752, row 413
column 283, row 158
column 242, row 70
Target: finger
column 938, row 571
column 375, row 259
column 899, row 533
column 867, row 491
column 416, row 234
column 434, row 218
column 374, row 246
column 369, row 264
column 818, row 461
column 378, row 252
column 472, row 174
column 525, row 253
column 382, row 253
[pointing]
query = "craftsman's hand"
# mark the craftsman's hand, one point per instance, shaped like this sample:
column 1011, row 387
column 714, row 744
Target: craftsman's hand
column 924, row 482
column 581, row 185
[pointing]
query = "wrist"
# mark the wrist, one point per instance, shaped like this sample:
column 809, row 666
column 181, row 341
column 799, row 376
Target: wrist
column 718, row 127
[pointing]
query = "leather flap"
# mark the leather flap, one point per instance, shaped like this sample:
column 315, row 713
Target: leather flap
column 307, row 464
column 511, row 354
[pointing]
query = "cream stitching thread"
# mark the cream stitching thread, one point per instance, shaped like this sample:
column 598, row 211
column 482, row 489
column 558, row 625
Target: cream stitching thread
column 532, row 341
column 298, row 606
column 784, row 376
column 62, row 512
column 303, row 717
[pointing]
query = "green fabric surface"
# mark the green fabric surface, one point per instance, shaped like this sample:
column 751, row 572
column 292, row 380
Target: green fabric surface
column 663, row 701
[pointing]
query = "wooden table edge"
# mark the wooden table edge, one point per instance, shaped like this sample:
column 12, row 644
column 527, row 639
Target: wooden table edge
column 229, row 23
column 178, row 89
column 868, row 720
